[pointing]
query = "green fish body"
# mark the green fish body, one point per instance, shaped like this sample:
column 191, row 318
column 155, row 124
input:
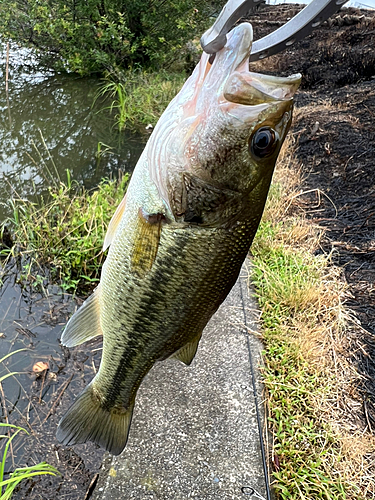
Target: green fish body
column 181, row 234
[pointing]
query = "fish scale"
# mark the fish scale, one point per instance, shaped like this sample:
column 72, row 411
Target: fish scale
column 178, row 240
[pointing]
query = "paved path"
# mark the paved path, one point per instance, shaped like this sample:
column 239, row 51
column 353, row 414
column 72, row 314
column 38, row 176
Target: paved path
column 195, row 430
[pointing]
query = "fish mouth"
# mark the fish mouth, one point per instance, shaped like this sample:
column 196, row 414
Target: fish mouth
column 228, row 78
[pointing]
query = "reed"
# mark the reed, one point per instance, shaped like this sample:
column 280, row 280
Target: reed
column 137, row 98
column 59, row 238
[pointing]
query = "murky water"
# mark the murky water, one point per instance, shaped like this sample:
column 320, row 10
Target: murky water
column 30, row 321
column 48, row 124
column 33, row 321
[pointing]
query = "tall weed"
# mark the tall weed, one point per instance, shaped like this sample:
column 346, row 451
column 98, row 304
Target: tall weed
column 138, row 98
column 63, row 233
column 7, row 486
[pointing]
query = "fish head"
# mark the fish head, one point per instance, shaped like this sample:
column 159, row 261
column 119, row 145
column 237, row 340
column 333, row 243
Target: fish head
column 225, row 127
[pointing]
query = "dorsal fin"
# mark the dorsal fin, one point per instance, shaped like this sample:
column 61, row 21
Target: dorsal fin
column 113, row 225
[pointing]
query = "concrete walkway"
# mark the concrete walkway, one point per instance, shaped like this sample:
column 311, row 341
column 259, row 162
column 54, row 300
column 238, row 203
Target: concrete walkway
column 195, row 430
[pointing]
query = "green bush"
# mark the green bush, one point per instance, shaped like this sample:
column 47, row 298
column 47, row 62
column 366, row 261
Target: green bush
column 94, row 35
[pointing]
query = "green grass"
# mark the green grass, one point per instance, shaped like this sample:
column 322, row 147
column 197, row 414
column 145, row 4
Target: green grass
column 59, row 239
column 287, row 284
column 138, row 98
column 7, row 486
column 302, row 320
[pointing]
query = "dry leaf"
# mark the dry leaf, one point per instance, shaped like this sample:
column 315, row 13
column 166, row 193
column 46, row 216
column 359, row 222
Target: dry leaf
column 40, row 366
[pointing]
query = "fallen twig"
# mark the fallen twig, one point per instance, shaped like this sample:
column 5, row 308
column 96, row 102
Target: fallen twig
column 41, row 389
column 91, row 487
column 63, row 389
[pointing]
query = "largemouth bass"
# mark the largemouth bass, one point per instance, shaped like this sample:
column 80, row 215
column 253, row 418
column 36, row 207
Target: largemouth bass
column 178, row 239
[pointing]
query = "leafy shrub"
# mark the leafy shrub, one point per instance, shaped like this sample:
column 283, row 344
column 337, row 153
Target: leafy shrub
column 95, row 35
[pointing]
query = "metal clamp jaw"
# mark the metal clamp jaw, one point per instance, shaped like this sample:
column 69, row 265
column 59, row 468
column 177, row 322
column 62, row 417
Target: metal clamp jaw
column 293, row 31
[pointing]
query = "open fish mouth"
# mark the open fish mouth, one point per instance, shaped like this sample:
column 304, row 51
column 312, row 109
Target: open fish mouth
column 228, row 78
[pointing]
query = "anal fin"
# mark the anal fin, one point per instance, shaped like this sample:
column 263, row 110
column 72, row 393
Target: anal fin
column 85, row 323
column 188, row 351
column 146, row 242
column 88, row 420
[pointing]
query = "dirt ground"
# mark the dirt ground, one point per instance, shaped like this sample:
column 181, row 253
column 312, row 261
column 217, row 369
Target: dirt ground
column 334, row 124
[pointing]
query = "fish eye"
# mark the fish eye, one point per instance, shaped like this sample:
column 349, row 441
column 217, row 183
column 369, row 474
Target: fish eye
column 263, row 142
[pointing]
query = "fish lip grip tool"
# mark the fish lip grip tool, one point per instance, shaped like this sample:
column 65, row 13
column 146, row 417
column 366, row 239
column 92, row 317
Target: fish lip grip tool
column 297, row 28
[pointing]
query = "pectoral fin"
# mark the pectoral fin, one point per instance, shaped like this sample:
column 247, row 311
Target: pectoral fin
column 188, row 351
column 146, row 242
column 112, row 227
column 85, row 323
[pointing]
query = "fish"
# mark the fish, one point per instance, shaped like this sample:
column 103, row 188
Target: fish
column 179, row 237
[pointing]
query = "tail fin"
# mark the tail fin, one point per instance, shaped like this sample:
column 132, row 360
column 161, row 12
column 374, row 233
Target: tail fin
column 86, row 420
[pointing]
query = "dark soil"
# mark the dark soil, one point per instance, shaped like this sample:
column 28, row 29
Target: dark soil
column 334, row 123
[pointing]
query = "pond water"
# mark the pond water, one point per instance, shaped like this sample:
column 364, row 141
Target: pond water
column 46, row 116
column 48, row 124
column 33, row 322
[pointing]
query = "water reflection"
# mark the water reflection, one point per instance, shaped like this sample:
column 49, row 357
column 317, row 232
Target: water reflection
column 48, row 116
column 33, row 321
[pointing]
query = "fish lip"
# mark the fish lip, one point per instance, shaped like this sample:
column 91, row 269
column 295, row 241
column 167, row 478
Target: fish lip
column 229, row 77
column 276, row 87
column 232, row 56
column 240, row 41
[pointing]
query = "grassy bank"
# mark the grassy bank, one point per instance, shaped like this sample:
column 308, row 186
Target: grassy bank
column 137, row 98
column 59, row 238
column 314, row 449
